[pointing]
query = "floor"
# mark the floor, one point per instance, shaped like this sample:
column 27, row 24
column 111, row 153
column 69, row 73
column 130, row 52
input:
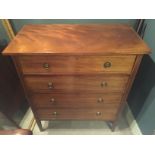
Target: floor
column 82, row 128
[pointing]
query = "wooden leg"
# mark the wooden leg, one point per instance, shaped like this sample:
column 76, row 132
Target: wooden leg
column 112, row 125
column 38, row 121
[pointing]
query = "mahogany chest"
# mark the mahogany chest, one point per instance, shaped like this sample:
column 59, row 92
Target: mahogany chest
column 77, row 72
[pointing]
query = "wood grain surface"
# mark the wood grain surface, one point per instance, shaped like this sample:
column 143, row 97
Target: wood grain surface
column 70, row 100
column 74, row 39
column 76, row 84
column 65, row 63
column 77, row 114
column 76, row 64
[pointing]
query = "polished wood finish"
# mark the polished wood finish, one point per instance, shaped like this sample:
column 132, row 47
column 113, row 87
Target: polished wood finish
column 129, row 85
column 76, row 64
column 77, row 39
column 77, row 114
column 18, row 68
column 77, row 72
column 76, row 84
column 68, row 100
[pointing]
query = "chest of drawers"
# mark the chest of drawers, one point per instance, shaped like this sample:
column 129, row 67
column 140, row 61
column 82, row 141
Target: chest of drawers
column 77, row 72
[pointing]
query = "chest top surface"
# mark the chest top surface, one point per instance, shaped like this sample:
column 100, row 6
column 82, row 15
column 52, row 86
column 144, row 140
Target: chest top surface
column 76, row 39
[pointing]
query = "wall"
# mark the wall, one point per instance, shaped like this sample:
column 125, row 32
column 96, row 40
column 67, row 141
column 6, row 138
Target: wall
column 146, row 118
column 18, row 23
column 4, row 39
column 12, row 98
column 142, row 97
column 150, row 36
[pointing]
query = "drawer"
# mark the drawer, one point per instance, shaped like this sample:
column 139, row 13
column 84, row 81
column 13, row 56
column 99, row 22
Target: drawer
column 76, row 100
column 76, row 84
column 77, row 114
column 76, row 64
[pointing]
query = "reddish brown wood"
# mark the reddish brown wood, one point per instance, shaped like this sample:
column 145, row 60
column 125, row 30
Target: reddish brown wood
column 73, row 57
column 77, row 114
column 75, row 39
column 129, row 85
column 76, row 84
column 18, row 68
column 133, row 74
column 68, row 100
column 76, row 64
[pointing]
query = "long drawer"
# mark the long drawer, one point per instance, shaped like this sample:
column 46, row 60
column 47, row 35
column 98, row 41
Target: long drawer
column 77, row 114
column 76, row 84
column 76, row 100
column 76, row 64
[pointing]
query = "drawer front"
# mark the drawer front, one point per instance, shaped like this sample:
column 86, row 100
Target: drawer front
column 76, row 84
column 77, row 114
column 76, row 64
column 76, row 100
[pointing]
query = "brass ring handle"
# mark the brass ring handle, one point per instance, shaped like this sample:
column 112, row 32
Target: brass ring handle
column 55, row 113
column 50, row 85
column 100, row 100
column 104, row 84
column 46, row 65
column 98, row 113
column 107, row 64
column 52, row 100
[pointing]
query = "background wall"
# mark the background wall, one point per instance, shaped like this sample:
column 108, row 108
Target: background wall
column 4, row 39
column 142, row 96
column 12, row 99
column 150, row 36
column 18, row 23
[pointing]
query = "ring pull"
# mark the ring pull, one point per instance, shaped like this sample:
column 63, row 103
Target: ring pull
column 50, row 85
column 46, row 65
column 107, row 64
column 104, row 84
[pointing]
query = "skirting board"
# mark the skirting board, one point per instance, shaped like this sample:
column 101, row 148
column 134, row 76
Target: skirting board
column 132, row 122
